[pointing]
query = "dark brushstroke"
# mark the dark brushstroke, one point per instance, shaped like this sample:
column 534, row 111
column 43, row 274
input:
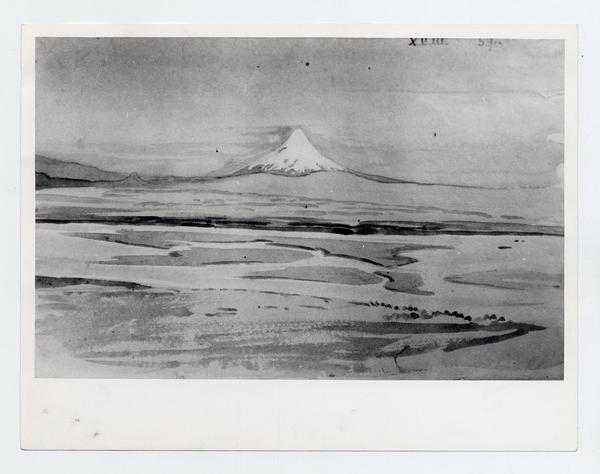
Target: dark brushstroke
column 507, row 280
column 404, row 283
column 231, row 341
column 141, row 365
column 408, row 350
column 349, row 346
column 282, row 224
column 43, row 181
column 219, row 313
column 320, row 274
column 278, row 293
column 464, row 343
column 59, row 282
column 358, row 303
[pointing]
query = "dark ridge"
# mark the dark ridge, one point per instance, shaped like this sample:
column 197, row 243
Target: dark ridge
column 44, row 181
column 73, row 170
column 363, row 228
column 59, row 282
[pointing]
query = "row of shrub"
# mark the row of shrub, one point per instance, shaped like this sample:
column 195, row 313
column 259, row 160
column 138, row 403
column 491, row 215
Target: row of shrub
column 412, row 312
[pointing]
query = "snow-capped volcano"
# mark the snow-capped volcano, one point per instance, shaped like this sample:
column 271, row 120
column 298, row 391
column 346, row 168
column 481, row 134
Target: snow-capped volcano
column 298, row 157
column 295, row 157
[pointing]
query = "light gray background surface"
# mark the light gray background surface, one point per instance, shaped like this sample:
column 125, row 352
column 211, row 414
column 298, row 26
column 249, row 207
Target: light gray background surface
column 585, row 13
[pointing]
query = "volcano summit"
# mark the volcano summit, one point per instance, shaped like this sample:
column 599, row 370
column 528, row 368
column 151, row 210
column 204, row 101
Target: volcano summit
column 295, row 157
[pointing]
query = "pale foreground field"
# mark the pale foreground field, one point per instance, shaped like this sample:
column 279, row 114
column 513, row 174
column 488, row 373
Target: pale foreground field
column 167, row 301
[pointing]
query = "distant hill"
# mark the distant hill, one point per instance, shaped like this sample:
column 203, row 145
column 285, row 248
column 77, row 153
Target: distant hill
column 53, row 168
column 42, row 181
column 53, row 173
column 130, row 181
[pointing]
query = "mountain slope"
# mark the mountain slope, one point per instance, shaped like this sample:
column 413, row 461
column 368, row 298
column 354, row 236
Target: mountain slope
column 54, row 168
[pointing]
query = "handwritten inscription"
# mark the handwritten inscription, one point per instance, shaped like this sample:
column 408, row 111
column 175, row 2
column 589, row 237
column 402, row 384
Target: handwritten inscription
column 427, row 41
column 488, row 43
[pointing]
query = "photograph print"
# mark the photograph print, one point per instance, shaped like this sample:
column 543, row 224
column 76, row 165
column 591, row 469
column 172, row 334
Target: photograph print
column 299, row 208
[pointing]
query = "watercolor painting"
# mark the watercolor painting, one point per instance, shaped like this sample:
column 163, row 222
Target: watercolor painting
column 299, row 208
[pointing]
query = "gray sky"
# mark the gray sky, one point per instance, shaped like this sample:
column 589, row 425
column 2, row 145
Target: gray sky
column 461, row 111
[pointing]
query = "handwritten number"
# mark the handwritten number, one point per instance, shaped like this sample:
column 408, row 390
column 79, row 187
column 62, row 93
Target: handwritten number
column 489, row 42
column 427, row 41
